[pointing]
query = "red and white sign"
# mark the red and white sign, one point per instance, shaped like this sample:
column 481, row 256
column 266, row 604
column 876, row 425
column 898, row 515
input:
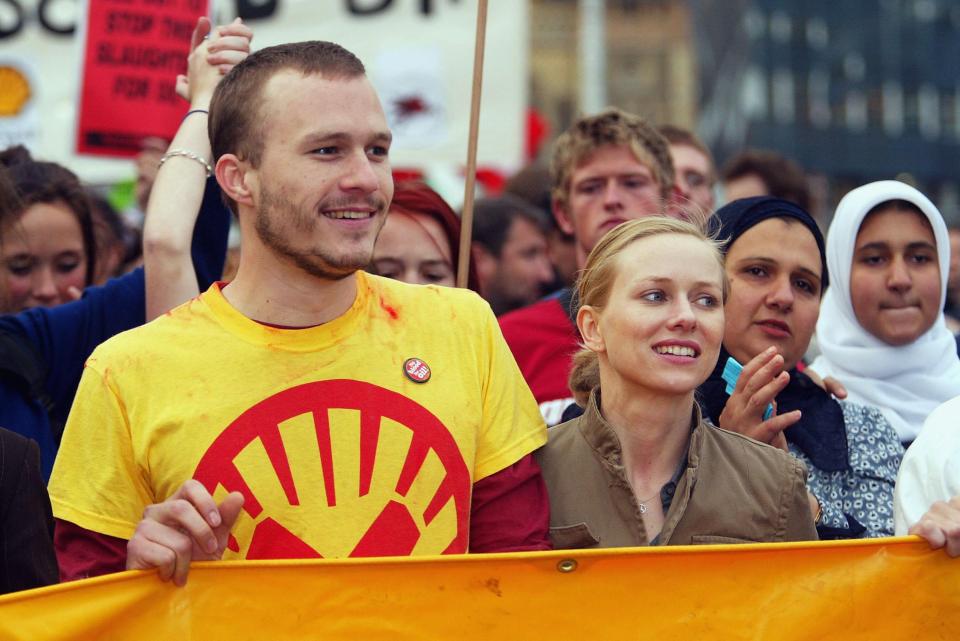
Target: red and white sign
column 132, row 53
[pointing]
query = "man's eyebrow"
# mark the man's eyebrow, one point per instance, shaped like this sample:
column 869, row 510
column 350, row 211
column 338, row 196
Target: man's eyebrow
column 318, row 136
column 605, row 175
column 333, row 136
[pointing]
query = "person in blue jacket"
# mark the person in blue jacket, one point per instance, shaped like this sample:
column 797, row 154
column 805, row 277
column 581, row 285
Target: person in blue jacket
column 43, row 350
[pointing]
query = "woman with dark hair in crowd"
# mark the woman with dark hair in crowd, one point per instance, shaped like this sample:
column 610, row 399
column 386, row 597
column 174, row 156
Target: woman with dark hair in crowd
column 27, row 559
column 641, row 466
column 48, row 249
column 43, row 350
column 777, row 269
column 420, row 239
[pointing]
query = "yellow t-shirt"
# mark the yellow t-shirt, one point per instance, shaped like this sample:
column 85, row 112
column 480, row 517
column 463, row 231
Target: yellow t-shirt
column 359, row 437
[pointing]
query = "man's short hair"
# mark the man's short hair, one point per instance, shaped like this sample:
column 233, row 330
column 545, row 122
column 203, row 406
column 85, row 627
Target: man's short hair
column 783, row 177
column 610, row 127
column 236, row 122
column 493, row 218
column 684, row 137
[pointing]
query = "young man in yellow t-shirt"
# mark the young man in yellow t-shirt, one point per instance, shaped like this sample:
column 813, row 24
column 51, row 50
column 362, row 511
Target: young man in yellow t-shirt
column 305, row 409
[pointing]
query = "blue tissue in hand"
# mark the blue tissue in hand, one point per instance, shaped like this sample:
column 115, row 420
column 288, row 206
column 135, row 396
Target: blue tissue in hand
column 731, row 372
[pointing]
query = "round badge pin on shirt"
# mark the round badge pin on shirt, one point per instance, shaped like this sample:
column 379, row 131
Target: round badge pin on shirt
column 416, row 370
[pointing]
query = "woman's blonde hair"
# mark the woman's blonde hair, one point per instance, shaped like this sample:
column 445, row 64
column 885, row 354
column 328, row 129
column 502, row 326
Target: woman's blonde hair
column 595, row 281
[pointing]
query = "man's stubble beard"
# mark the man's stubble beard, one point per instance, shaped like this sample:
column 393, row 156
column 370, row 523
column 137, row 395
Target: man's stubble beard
column 276, row 236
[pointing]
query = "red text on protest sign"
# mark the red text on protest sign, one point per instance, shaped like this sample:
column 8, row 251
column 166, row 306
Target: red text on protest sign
column 132, row 54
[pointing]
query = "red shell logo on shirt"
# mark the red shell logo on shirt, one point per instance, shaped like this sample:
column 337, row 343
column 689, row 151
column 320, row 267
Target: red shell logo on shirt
column 341, row 468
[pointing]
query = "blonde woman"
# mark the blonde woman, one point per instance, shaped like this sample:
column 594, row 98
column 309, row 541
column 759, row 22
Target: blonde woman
column 641, row 467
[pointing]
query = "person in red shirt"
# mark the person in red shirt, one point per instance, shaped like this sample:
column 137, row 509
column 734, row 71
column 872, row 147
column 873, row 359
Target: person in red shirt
column 607, row 168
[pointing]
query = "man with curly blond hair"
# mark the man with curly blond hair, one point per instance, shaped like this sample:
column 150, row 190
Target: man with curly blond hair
column 607, row 168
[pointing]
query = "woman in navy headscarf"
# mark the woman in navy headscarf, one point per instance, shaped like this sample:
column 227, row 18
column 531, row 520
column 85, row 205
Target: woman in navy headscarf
column 776, row 265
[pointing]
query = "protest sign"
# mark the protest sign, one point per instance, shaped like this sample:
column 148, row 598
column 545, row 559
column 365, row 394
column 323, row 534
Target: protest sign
column 418, row 53
column 132, row 53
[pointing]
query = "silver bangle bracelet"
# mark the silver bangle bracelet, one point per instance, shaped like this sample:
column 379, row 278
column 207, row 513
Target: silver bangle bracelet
column 186, row 153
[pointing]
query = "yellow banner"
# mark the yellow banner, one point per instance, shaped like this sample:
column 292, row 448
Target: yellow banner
column 881, row 589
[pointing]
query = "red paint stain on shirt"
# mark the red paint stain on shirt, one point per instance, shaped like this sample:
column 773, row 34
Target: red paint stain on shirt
column 388, row 309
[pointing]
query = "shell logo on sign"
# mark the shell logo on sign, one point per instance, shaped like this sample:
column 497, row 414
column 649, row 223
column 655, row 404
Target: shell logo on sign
column 14, row 91
column 341, row 468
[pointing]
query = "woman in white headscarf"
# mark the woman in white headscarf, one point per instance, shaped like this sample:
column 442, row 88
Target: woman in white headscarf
column 881, row 330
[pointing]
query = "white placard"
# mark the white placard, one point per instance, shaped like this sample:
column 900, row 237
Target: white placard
column 425, row 46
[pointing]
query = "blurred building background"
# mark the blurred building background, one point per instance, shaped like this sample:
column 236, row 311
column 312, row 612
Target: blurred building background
column 854, row 91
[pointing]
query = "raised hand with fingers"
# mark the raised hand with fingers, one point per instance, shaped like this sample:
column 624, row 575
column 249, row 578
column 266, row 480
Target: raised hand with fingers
column 178, row 189
column 759, row 383
column 219, row 50
column 189, row 526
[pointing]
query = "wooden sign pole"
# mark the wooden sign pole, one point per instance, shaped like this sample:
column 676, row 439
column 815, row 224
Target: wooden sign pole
column 466, row 219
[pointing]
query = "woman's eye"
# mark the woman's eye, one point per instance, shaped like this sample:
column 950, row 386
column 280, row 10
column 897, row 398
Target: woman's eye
column 654, row 297
column 872, row 260
column 67, row 266
column 922, row 258
column 436, row 276
column 387, row 269
column 706, row 300
column 805, row 286
column 20, row 267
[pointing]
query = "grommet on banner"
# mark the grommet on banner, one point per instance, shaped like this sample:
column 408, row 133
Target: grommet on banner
column 567, row 565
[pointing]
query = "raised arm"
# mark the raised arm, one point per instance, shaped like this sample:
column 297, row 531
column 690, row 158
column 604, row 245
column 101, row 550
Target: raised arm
column 179, row 186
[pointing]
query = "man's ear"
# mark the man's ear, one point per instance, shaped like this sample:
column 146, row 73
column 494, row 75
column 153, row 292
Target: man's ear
column 588, row 322
column 564, row 219
column 234, row 177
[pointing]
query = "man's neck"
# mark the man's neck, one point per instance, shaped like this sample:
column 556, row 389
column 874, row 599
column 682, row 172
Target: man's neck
column 271, row 292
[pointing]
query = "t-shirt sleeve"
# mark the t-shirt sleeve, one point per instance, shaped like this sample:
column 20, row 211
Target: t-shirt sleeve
column 511, row 426
column 97, row 482
column 510, row 511
column 83, row 554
